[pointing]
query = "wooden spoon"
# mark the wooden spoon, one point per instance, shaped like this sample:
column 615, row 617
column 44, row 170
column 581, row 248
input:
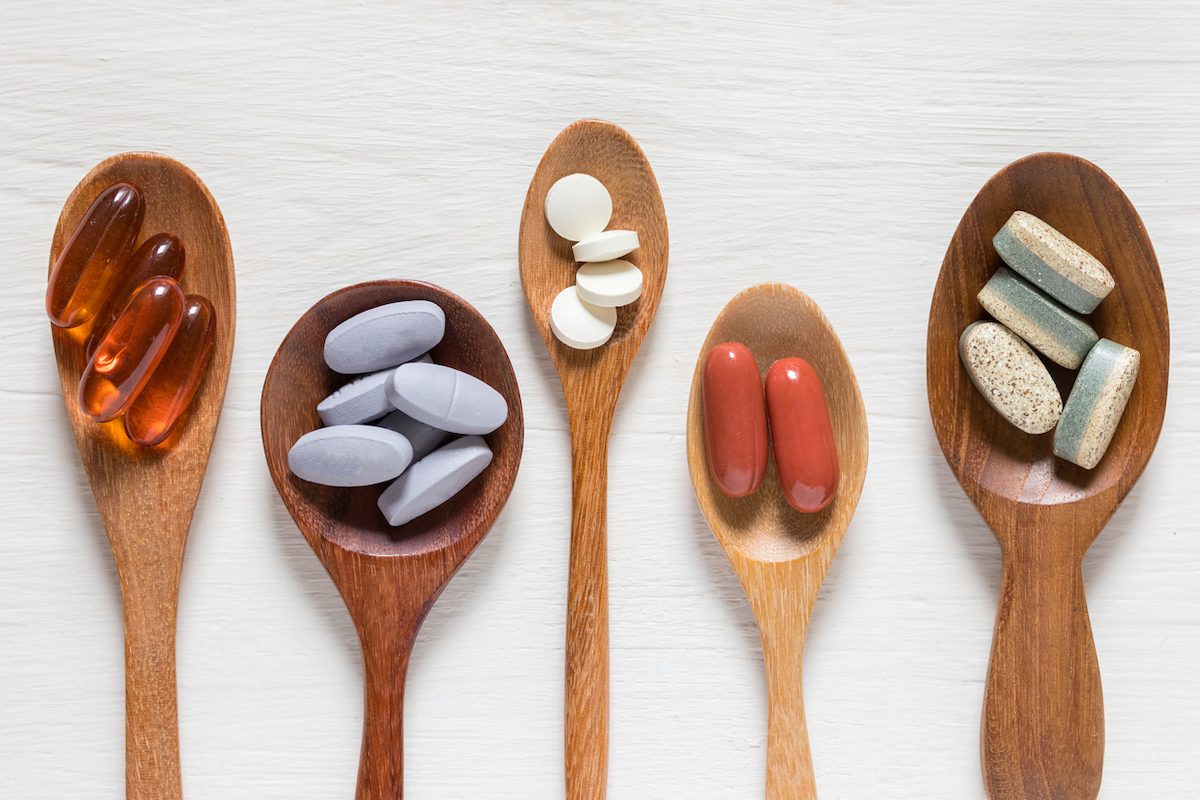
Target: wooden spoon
column 591, row 381
column 388, row 577
column 779, row 554
column 146, row 496
column 1043, row 715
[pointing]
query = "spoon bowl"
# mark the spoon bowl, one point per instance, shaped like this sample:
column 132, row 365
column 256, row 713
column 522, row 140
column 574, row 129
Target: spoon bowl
column 591, row 381
column 146, row 495
column 388, row 576
column 780, row 554
column 1043, row 720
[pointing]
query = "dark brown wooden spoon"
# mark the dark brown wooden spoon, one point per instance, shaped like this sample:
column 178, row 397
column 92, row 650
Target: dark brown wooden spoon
column 389, row 577
column 781, row 555
column 591, row 381
column 146, row 496
column 1043, row 718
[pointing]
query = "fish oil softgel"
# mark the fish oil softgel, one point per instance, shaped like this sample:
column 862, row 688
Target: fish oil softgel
column 147, row 344
column 131, row 350
column 92, row 265
column 171, row 386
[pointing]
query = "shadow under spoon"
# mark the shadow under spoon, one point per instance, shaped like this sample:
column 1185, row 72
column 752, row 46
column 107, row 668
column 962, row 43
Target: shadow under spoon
column 1042, row 732
column 780, row 554
column 146, row 496
column 591, row 381
column 389, row 577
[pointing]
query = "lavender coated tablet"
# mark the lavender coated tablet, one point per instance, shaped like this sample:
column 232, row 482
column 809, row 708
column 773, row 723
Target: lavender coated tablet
column 349, row 455
column 357, row 402
column 447, row 398
column 434, row 479
column 384, row 336
column 423, row 438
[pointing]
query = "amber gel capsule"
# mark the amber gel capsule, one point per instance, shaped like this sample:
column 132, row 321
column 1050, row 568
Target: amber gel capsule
column 806, row 458
column 92, row 265
column 735, row 419
column 131, row 350
column 161, row 254
column 159, row 405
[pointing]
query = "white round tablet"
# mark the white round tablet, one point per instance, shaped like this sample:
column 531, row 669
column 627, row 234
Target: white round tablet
column 606, row 246
column 578, row 206
column 579, row 324
column 609, row 283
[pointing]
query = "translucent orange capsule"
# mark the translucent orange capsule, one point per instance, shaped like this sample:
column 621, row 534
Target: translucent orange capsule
column 131, row 349
column 161, row 254
column 90, row 268
column 158, row 406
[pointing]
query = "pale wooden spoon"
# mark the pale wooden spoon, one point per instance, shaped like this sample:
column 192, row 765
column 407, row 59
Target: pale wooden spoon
column 591, row 381
column 781, row 555
column 1042, row 733
column 146, row 496
column 388, row 577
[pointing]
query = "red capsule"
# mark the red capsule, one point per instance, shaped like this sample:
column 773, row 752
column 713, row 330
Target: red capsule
column 131, row 350
column 92, row 265
column 161, row 254
column 735, row 419
column 806, row 458
column 158, row 406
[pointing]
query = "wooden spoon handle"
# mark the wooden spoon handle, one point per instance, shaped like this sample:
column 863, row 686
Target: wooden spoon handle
column 1042, row 735
column 586, row 731
column 151, row 713
column 151, row 710
column 782, row 606
column 385, row 665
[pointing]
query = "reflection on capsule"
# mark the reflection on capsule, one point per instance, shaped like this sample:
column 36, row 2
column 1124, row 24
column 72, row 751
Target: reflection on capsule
column 159, row 405
column 92, row 265
column 131, row 349
column 161, row 254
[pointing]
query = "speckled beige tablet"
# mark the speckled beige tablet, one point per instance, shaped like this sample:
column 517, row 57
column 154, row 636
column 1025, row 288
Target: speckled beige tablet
column 1096, row 404
column 1053, row 263
column 1010, row 376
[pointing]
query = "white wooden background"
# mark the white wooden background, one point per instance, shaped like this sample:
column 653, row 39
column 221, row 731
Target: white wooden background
column 831, row 145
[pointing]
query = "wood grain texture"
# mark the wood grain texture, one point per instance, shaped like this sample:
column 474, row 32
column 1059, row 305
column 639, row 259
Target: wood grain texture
column 146, row 496
column 388, row 576
column 1043, row 719
column 779, row 554
column 591, row 381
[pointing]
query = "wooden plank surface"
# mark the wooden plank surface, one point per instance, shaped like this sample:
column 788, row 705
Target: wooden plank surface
column 833, row 146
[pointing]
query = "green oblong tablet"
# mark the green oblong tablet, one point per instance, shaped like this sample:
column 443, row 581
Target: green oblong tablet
column 1062, row 336
column 1052, row 262
column 1096, row 404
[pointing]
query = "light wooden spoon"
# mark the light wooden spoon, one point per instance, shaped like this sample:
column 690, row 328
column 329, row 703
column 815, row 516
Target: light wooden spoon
column 591, row 381
column 1043, row 718
column 388, row 577
column 781, row 555
column 146, row 496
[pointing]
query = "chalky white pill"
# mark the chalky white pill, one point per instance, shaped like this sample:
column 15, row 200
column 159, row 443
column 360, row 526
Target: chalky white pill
column 384, row 336
column 434, row 479
column 358, row 401
column 578, row 206
column 609, row 283
column 1010, row 377
column 1096, row 403
column 580, row 324
column 605, row 246
column 423, row 438
column 349, row 455
column 1053, row 263
column 447, row 398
